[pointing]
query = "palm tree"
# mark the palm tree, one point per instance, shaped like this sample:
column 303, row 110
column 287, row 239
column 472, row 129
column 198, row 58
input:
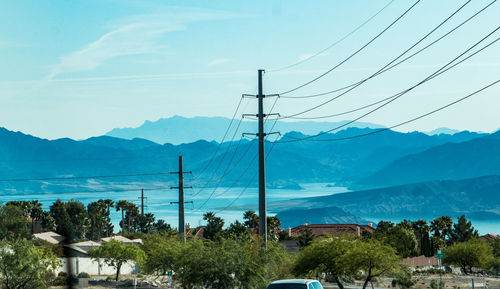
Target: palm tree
column 122, row 205
column 109, row 204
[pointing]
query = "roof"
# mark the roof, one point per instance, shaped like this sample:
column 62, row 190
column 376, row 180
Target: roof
column 293, row 281
column 83, row 247
column 490, row 237
column 195, row 232
column 51, row 237
column 332, row 229
column 121, row 239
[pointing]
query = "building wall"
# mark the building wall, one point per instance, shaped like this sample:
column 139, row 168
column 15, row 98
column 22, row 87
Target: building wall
column 90, row 266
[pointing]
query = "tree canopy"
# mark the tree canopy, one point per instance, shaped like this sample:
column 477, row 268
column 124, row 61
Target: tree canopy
column 23, row 265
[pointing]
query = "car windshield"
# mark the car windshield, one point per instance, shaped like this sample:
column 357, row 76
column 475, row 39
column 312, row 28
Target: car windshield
column 287, row 286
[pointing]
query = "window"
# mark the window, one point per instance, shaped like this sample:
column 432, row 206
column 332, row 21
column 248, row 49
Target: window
column 287, row 286
column 317, row 285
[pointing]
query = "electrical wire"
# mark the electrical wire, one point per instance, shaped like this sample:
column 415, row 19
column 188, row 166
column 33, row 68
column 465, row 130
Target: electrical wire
column 352, row 55
column 407, row 90
column 251, row 180
column 102, row 191
column 381, row 69
column 335, row 43
column 416, row 118
column 221, row 142
column 78, row 178
column 398, row 63
column 247, row 168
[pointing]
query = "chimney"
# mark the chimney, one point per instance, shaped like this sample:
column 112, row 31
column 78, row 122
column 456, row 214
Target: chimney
column 305, row 224
column 370, row 224
column 358, row 231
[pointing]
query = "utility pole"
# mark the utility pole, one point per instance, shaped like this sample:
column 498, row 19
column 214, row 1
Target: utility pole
column 182, row 224
column 262, row 157
column 262, row 164
column 142, row 202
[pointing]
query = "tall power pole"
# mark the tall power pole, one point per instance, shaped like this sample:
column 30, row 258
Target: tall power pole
column 262, row 156
column 262, row 163
column 182, row 224
column 142, row 202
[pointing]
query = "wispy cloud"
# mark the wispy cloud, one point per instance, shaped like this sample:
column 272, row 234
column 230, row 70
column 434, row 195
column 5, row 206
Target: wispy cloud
column 218, row 61
column 134, row 35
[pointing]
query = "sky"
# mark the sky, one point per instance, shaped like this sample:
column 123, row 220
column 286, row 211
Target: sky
column 81, row 68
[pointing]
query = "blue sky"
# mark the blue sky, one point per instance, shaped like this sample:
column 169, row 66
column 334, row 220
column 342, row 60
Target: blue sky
column 80, row 68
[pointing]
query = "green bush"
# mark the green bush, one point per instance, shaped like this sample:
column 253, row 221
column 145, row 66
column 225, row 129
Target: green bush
column 435, row 284
column 83, row 275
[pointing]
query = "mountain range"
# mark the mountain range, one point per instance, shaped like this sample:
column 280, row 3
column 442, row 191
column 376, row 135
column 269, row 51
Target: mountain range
column 390, row 173
column 178, row 129
column 477, row 198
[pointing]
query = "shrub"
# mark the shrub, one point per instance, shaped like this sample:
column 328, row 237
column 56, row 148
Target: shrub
column 83, row 275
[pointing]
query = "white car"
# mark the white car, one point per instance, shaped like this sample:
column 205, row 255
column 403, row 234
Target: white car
column 295, row 284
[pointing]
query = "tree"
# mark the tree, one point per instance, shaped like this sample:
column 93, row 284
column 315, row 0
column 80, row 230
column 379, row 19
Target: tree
column 116, row 253
column 109, row 204
column 231, row 263
column 400, row 237
column 13, row 223
column 462, row 231
column 469, row 254
column 324, row 255
column 24, row 266
column 209, row 264
column 162, row 227
column 372, row 257
column 122, row 205
column 161, row 254
column 213, row 230
column 145, row 223
column 251, row 220
column 441, row 227
column 99, row 220
column 305, row 238
column 273, row 227
column 238, row 230
column 421, row 230
column 70, row 218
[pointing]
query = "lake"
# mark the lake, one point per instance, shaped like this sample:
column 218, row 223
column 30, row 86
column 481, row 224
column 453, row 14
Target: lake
column 158, row 203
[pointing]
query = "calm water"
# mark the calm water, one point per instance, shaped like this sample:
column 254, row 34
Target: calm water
column 158, row 202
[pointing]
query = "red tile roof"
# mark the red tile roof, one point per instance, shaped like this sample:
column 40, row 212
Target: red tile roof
column 332, row 229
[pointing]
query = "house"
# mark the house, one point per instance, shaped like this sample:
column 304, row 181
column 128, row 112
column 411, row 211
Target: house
column 319, row 230
column 195, row 232
column 489, row 237
column 51, row 237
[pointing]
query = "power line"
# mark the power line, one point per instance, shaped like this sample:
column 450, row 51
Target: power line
column 436, row 73
column 221, row 142
column 251, row 180
column 77, row 178
column 102, row 191
column 221, row 160
column 396, row 64
column 336, row 42
column 381, row 69
column 249, row 165
column 413, row 119
column 352, row 55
